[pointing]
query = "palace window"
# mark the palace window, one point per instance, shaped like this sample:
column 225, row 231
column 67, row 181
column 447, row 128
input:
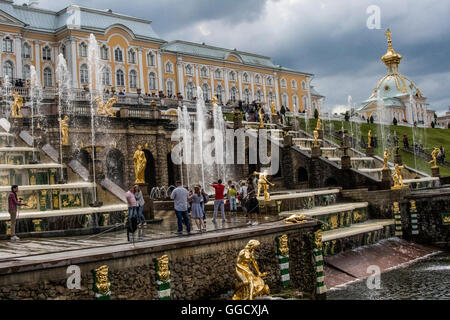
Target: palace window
column 271, row 98
column 219, row 93
column 132, row 56
column 257, row 79
column 218, row 74
column 7, row 44
column 8, row 69
column 232, row 76
column 26, row 73
column 83, row 49
column 106, row 76
column 169, row 86
column 305, row 103
column 295, row 101
column 120, row 78
column 245, row 77
column 63, row 51
column 104, row 52
column 189, row 70
column 118, row 55
column 152, row 81
column 233, row 94
column 151, row 59
column 206, row 94
column 84, row 74
column 283, row 83
column 303, row 85
column 46, row 53
column 258, row 96
column 204, row 72
column 169, row 67
column 48, row 77
column 284, row 100
column 247, row 96
column 294, row 84
column 190, row 90
column 269, row 81
column 133, row 79
column 26, row 51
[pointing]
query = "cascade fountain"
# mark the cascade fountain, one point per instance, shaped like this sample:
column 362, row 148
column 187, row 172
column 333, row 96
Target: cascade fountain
column 187, row 139
column 219, row 138
column 36, row 98
column 381, row 119
column 200, row 129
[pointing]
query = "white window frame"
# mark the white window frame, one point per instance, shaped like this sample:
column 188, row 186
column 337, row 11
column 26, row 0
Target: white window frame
column 8, row 45
column 46, row 53
column 84, row 74
column 155, row 81
column 46, row 79
column 122, row 82
column 116, row 55
column 170, row 69
column 133, row 79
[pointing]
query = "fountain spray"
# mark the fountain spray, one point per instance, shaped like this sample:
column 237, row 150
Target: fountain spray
column 36, row 97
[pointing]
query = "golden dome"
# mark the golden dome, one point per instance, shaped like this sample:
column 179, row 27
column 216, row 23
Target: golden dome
column 391, row 58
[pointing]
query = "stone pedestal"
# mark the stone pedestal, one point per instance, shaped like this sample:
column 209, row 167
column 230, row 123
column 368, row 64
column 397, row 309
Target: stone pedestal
column 149, row 212
column 370, row 152
column 386, row 179
column 287, row 141
column 320, row 134
column 398, row 158
column 316, row 152
column 268, row 207
column 346, row 162
column 237, row 120
column 435, row 172
column 275, row 118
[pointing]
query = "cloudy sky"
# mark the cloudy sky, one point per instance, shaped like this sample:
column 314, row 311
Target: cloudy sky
column 328, row 38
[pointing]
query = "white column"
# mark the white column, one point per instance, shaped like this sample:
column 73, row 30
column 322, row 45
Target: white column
column 18, row 53
column 227, row 91
column 73, row 56
column 211, row 73
column 264, row 89
column 180, row 76
column 141, row 71
column 197, row 78
column 253, row 86
column 277, row 91
column 37, row 59
column 240, row 85
column 160, row 71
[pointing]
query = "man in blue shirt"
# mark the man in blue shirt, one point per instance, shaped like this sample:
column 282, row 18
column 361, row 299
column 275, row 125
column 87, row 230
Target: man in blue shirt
column 180, row 197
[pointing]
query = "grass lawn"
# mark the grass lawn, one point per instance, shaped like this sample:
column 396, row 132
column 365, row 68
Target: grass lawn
column 429, row 137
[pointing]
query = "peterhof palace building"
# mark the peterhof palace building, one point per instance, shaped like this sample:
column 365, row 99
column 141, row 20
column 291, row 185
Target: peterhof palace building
column 396, row 96
column 137, row 60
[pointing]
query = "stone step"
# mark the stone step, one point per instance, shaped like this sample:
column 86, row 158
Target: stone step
column 73, row 185
column 358, row 228
column 29, row 166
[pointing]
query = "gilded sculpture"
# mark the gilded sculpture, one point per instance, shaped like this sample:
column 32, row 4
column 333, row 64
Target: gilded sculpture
column 261, row 122
column 264, row 184
column 316, row 139
column 273, row 108
column 105, row 108
column 140, row 163
column 64, row 130
column 397, row 176
column 319, row 123
column 163, row 268
column 434, row 155
column 386, row 157
column 214, row 102
column 16, row 107
column 102, row 283
column 296, row 219
column 413, row 205
column 318, row 239
column 369, row 139
column 248, row 284
column 283, row 245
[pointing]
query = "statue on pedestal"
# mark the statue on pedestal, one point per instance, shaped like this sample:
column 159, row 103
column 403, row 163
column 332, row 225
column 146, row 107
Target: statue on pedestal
column 264, row 184
column 64, row 130
column 248, row 284
column 140, row 163
column 369, row 139
column 261, row 121
column 16, row 107
column 319, row 123
column 386, row 157
column 398, row 178
column 214, row 102
column 434, row 155
column 316, row 137
column 273, row 108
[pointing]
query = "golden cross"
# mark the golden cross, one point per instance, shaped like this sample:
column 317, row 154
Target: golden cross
column 388, row 34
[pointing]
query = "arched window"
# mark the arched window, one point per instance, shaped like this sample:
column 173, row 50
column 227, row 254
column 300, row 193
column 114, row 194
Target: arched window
column 106, row 76
column 63, row 51
column 189, row 70
column 258, row 96
column 232, row 76
column 152, row 81
column 7, row 44
column 26, row 72
column 271, row 98
column 83, row 49
column 233, row 94
column 247, row 96
column 295, row 102
column 26, row 51
column 133, row 79
column 204, row 72
column 84, row 74
column 219, row 93
column 131, row 56
column 151, row 59
column 218, row 74
column 284, row 100
column 269, row 81
column 169, row 68
column 169, row 86
column 118, row 55
column 294, row 84
column 190, row 90
column 104, row 52
column 8, row 69
column 245, row 77
column 257, row 79
column 48, row 77
column 46, row 53
column 120, row 78
column 206, row 93
column 283, row 83
column 303, row 85
column 305, row 103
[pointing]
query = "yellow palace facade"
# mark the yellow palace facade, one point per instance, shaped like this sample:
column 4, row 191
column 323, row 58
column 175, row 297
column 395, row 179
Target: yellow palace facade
column 136, row 59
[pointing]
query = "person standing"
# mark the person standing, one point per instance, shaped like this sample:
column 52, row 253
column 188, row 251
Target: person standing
column 180, row 197
column 252, row 206
column 243, row 197
column 205, row 199
column 232, row 197
column 196, row 208
column 140, row 205
column 13, row 203
column 218, row 200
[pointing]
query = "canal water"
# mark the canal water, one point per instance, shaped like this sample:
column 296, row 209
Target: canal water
column 428, row 279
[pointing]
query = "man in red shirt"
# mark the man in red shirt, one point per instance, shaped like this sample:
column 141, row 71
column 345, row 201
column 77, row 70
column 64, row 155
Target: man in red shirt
column 218, row 200
column 13, row 203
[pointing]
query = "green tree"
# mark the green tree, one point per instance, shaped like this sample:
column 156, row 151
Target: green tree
column 371, row 119
column 433, row 124
column 395, row 121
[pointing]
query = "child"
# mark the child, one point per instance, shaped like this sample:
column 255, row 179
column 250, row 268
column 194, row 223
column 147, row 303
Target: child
column 232, row 197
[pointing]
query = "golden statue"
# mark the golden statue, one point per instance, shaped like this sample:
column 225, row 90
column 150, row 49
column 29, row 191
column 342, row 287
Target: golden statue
column 319, row 123
column 413, row 205
column 64, row 130
column 261, row 122
column 274, row 109
column 296, row 219
column 102, row 284
column 16, row 107
column 318, row 239
column 163, row 268
column 263, row 183
column 105, row 108
column 316, row 138
column 140, row 163
column 369, row 139
column 248, row 284
column 214, row 102
column 397, row 176
column 32, row 202
column 284, row 245
column 386, row 157
column 434, row 155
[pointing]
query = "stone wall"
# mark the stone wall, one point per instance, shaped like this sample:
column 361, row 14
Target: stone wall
column 199, row 269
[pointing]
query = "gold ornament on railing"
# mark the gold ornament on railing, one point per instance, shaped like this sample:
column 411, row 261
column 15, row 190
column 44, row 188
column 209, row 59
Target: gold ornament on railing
column 248, row 284
column 140, row 163
column 163, row 268
column 102, row 282
column 284, row 245
column 16, row 107
column 318, row 239
column 434, row 155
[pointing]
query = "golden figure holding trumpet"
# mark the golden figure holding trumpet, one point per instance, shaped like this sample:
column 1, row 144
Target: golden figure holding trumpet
column 264, row 184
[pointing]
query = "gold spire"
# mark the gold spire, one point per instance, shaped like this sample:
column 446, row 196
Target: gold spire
column 391, row 59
